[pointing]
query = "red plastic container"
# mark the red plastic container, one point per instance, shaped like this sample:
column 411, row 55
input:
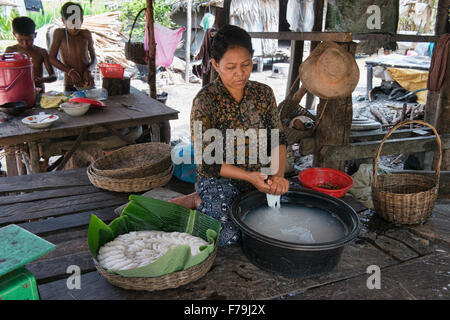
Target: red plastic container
column 16, row 79
column 111, row 70
column 312, row 177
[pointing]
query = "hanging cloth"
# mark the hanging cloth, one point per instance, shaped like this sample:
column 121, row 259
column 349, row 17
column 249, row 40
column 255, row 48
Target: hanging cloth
column 166, row 41
column 438, row 63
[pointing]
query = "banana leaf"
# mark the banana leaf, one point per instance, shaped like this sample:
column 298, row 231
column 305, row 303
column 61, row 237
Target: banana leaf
column 143, row 213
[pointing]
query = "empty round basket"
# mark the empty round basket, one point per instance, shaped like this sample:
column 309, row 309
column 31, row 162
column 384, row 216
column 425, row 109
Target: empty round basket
column 131, row 184
column 405, row 198
column 134, row 161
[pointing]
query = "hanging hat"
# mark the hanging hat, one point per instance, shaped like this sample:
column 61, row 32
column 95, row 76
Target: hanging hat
column 329, row 72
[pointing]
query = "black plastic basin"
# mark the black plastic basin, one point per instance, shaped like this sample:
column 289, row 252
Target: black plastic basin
column 288, row 258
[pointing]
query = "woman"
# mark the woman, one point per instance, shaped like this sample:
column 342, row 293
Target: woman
column 234, row 102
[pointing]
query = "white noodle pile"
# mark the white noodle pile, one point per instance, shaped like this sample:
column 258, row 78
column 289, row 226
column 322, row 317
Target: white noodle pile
column 140, row 248
column 273, row 201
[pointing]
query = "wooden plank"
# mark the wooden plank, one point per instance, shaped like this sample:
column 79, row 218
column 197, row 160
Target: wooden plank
column 68, row 247
column 363, row 150
column 372, row 136
column 424, row 278
column 232, row 276
column 43, row 181
column 68, row 222
column 47, row 194
column 56, row 268
column 20, row 212
column 302, row 36
column 11, row 161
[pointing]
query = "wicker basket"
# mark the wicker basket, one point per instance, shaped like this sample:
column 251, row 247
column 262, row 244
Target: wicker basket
column 405, row 198
column 134, row 51
column 134, row 161
column 132, row 184
column 168, row 281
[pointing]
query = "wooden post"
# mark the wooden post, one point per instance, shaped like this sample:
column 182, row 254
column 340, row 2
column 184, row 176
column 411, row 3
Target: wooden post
column 318, row 22
column 222, row 18
column 442, row 23
column 151, row 50
column 443, row 113
column 296, row 60
column 433, row 97
column 188, row 40
column 334, row 129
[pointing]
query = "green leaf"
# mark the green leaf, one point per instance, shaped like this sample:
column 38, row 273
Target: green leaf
column 98, row 234
column 120, row 226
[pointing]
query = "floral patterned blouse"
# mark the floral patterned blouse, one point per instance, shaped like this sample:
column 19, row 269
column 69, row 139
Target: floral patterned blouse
column 216, row 108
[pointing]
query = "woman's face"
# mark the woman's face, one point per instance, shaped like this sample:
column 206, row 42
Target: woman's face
column 234, row 68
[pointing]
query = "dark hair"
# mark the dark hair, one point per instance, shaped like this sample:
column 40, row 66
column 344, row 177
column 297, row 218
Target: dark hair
column 23, row 26
column 227, row 37
column 64, row 14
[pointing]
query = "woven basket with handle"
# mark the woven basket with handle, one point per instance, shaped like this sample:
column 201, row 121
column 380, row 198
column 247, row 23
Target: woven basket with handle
column 171, row 280
column 405, row 198
column 134, row 51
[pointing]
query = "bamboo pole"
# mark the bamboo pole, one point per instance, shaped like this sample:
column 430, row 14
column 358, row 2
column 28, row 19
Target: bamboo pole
column 151, row 50
column 188, row 39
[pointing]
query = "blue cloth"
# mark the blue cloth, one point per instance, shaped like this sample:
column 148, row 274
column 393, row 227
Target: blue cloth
column 185, row 171
column 218, row 195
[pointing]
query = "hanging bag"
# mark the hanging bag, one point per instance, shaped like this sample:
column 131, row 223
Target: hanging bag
column 134, row 51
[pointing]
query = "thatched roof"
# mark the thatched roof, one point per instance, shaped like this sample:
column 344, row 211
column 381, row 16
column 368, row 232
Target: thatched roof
column 9, row 3
column 196, row 4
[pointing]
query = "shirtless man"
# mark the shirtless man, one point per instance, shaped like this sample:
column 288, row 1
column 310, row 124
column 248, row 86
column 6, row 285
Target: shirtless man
column 76, row 49
column 24, row 31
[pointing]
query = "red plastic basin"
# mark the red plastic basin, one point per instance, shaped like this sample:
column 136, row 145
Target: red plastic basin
column 312, row 177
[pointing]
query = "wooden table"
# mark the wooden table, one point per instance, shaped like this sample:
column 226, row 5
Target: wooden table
column 144, row 111
column 395, row 61
column 57, row 206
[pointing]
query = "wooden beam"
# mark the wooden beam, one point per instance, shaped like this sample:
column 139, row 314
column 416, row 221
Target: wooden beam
column 342, row 36
column 151, row 50
column 364, row 150
column 394, row 37
column 302, row 36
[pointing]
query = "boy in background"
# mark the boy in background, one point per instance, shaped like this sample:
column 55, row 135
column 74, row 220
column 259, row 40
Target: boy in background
column 24, row 32
column 76, row 49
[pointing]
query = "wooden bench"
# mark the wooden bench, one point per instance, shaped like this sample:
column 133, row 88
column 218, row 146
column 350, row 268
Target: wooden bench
column 57, row 207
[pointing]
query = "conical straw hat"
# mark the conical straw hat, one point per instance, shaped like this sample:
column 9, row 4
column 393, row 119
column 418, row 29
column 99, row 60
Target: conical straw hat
column 329, row 72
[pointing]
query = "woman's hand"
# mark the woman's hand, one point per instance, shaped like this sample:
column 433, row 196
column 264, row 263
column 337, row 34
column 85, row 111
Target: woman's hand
column 257, row 179
column 278, row 185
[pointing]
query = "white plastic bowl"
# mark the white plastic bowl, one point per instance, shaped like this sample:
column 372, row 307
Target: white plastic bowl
column 75, row 109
